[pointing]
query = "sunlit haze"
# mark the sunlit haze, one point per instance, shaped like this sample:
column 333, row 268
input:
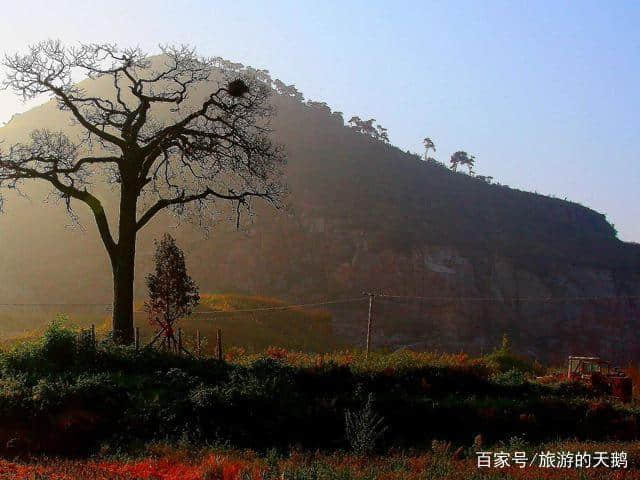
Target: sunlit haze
column 544, row 94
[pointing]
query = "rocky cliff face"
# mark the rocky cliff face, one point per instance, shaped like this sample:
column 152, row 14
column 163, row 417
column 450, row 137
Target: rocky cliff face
column 440, row 296
column 365, row 215
column 471, row 301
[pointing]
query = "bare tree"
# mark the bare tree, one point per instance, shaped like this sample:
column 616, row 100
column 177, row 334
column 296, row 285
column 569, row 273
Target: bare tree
column 155, row 149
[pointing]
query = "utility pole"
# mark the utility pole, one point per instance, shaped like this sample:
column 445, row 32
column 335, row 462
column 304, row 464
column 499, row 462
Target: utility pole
column 371, row 295
column 219, row 345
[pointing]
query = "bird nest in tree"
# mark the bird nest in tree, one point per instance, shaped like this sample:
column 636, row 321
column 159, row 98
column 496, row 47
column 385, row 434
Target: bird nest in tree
column 237, row 88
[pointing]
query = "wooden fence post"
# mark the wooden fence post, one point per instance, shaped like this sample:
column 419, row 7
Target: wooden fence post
column 198, row 344
column 137, row 338
column 179, row 341
column 219, row 344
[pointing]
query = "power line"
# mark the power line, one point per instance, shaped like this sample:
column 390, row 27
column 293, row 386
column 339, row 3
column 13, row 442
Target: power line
column 55, row 304
column 357, row 299
column 283, row 307
column 513, row 299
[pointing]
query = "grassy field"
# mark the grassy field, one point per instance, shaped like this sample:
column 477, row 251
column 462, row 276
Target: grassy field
column 298, row 329
column 19, row 323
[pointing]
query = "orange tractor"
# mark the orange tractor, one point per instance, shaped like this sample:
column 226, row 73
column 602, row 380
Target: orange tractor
column 598, row 374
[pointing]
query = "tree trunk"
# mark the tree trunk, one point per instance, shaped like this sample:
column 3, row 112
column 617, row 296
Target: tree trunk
column 123, row 276
column 123, row 265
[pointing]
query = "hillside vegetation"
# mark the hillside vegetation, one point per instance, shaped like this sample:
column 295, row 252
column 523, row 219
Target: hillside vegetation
column 362, row 214
column 253, row 323
column 61, row 394
column 346, row 181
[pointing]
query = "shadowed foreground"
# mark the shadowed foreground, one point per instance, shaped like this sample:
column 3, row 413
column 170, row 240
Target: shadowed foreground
column 63, row 395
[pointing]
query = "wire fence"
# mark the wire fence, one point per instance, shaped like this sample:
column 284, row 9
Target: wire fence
column 470, row 323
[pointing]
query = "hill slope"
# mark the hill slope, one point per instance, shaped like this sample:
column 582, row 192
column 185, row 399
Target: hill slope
column 363, row 215
column 248, row 323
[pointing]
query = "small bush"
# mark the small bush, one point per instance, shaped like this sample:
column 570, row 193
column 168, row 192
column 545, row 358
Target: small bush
column 364, row 428
column 59, row 345
column 56, row 351
column 504, row 360
column 513, row 377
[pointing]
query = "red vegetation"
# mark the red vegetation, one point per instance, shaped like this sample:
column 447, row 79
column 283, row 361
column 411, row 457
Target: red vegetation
column 246, row 466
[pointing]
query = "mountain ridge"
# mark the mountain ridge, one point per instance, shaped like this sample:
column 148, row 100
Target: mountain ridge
column 363, row 214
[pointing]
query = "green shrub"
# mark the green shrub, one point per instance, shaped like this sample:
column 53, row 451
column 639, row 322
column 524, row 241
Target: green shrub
column 513, row 377
column 59, row 345
column 13, row 390
column 364, row 427
column 130, row 396
column 49, row 393
column 504, row 360
column 57, row 350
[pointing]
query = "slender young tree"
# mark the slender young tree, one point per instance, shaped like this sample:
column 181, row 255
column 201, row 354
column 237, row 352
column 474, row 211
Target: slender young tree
column 159, row 148
column 172, row 293
column 428, row 145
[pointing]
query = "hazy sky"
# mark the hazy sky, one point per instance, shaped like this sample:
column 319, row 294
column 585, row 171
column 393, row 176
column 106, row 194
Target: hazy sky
column 544, row 93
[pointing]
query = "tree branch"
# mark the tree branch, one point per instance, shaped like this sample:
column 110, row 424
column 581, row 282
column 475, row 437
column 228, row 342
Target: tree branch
column 182, row 199
column 68, row 191
column 224, row 138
